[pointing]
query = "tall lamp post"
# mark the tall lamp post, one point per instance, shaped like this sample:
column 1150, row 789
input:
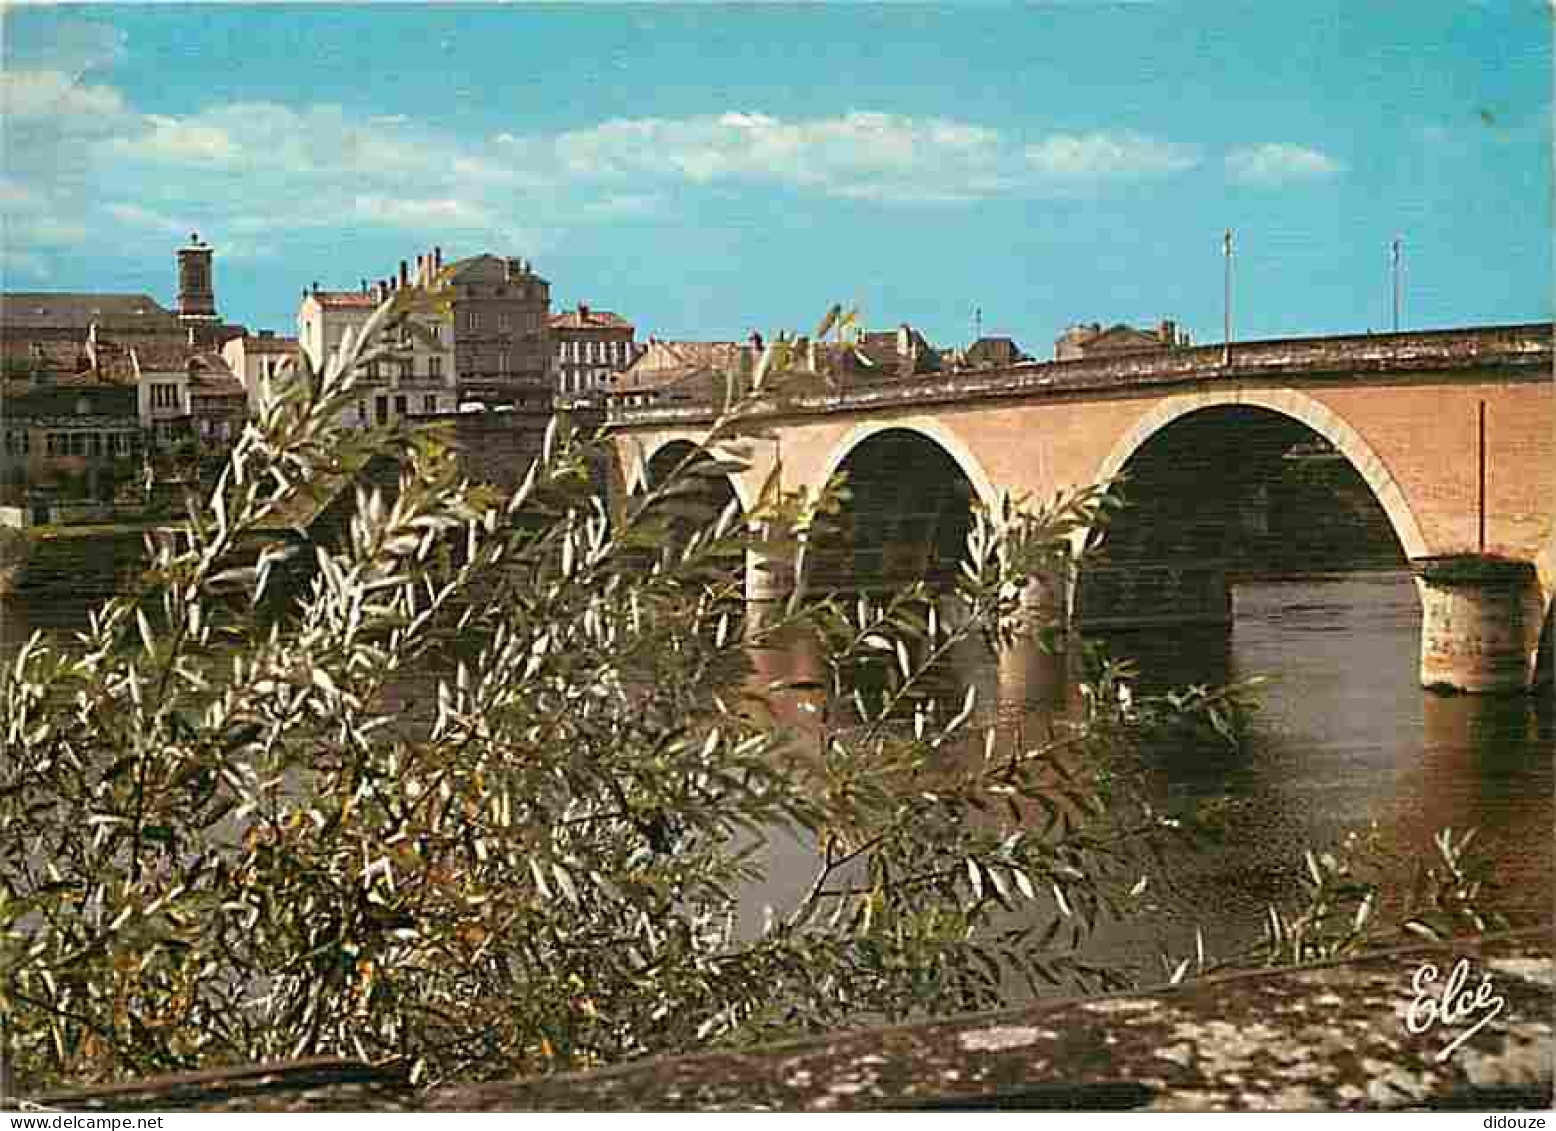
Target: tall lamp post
column 1226, row 248
column 1396, row 248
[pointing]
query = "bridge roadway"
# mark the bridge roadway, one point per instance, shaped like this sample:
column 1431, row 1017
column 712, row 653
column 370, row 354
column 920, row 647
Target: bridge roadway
column 1453, row 433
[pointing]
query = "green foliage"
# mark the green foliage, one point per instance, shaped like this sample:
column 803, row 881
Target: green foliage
column 481, row 799
column 1353, row 902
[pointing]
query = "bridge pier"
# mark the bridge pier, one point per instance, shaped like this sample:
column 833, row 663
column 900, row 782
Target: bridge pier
column 1480, row 623
column 769, row 581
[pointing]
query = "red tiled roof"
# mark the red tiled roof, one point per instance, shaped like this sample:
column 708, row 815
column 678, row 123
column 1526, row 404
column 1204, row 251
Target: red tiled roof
column 593, row 320
column 344, row 299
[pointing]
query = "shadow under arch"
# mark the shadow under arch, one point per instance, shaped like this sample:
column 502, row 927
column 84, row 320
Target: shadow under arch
column 908, row 512
column 1263, row 482
column 711, row 493
column 1300, row 408
column 927, row 428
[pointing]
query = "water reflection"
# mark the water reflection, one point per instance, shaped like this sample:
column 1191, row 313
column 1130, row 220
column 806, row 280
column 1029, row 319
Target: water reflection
column 1346, row 738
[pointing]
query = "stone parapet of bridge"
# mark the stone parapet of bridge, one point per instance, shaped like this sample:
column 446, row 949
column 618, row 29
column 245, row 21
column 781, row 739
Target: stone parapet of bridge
column 1523, row 348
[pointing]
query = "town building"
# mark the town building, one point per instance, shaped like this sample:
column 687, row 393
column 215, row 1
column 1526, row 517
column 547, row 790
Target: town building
column 74, row 397
column 255, row 358
column 992, row 353
column 902, row 352
column 590, row 347
column 487, row 340
column 201, row 399
column 501, row 330
column 49, row 330
column 1092, row 340
column 419, row 378
column 63, row 437
column 669, row 372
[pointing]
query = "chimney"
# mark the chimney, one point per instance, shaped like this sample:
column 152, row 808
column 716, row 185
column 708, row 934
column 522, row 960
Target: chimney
column 364, row 286
column 437, row 259
column 1168, row 333
column 583, row 312
column 404, row 274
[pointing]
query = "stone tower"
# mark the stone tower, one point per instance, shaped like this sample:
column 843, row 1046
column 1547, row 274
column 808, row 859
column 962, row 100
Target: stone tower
column 196, row 286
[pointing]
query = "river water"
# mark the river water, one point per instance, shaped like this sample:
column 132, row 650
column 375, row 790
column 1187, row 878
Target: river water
column 1346, row 738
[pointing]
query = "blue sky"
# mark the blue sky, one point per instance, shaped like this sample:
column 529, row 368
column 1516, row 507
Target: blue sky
column 708, row 170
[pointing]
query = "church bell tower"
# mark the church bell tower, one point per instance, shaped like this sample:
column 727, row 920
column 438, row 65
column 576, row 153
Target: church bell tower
column 196, row 286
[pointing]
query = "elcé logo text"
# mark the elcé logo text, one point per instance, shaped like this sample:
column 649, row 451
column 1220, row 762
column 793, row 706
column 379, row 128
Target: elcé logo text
column 1453, row 1005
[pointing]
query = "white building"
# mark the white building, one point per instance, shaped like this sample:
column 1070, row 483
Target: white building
column 254, row 357
column 417, row 380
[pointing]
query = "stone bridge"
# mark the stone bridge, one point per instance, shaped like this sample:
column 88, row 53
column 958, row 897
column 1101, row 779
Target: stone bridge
column 1445, row 435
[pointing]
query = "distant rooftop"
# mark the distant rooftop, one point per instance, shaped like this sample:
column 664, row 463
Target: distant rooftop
column 28, row 310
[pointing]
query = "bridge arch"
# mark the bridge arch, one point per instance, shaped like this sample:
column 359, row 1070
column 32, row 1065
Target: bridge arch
column 667, row 455
column 930, row 429
column 1288, row 403
column 912, row 483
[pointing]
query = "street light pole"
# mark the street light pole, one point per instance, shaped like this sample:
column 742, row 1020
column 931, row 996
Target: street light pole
column 1397, row 247
column 1226, row 247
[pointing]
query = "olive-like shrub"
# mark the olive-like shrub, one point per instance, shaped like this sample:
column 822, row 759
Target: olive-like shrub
column 481, row 793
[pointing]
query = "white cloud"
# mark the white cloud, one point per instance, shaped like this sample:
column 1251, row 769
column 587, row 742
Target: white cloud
column 1275, row 163
column 50, row 94
column 134, row 216
column 860, row 154
column 1105, row 156
column 180, row 142
column 275, row 138
column 402, row 212
column 45, row 231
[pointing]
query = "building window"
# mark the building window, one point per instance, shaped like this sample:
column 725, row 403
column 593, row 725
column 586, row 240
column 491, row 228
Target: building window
column 504, row 363
column 473, row 320
column 435, row 367
column 78, row 443
column 429, row 403
column 504, row 322
column 399, row 406
column 372, row 371
column 381, row 408
column 362, row 413
column 94, row 442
